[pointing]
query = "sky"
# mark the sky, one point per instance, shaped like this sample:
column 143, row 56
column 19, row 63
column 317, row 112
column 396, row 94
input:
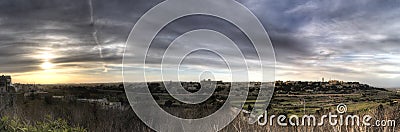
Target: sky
column 83, row 41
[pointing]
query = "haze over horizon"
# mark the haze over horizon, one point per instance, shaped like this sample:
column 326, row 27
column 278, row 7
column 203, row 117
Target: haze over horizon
column 80, row 41
column 188, row 81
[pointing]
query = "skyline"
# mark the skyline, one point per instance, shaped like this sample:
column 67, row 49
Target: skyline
column 83, row 41
column 208, row 79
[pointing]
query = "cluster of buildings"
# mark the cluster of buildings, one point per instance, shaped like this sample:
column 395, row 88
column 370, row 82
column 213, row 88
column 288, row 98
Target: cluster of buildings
column 318, row 85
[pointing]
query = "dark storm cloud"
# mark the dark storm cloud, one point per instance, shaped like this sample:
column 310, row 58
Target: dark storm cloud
column 330, row 38
column 30, row 22
column 62, row 28
column 189, row 23
column 287, row 20
column 29, row 26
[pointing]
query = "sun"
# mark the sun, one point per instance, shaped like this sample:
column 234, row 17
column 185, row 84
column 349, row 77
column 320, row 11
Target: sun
column 47, row 65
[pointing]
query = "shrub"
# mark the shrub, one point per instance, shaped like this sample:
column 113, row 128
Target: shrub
column 57, row 125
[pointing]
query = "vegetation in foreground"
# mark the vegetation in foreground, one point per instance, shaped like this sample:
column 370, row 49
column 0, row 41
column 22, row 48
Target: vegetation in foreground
column 48, row 125
column 55, row 108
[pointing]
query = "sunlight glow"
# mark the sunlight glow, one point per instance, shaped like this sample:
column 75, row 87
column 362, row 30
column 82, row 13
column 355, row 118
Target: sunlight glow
column 47, row 65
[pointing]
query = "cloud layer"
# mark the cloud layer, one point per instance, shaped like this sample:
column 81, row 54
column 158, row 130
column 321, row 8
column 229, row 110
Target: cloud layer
column 84, row 39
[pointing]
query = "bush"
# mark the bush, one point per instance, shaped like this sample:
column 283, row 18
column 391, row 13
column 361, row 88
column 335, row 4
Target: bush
column 58, row 125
